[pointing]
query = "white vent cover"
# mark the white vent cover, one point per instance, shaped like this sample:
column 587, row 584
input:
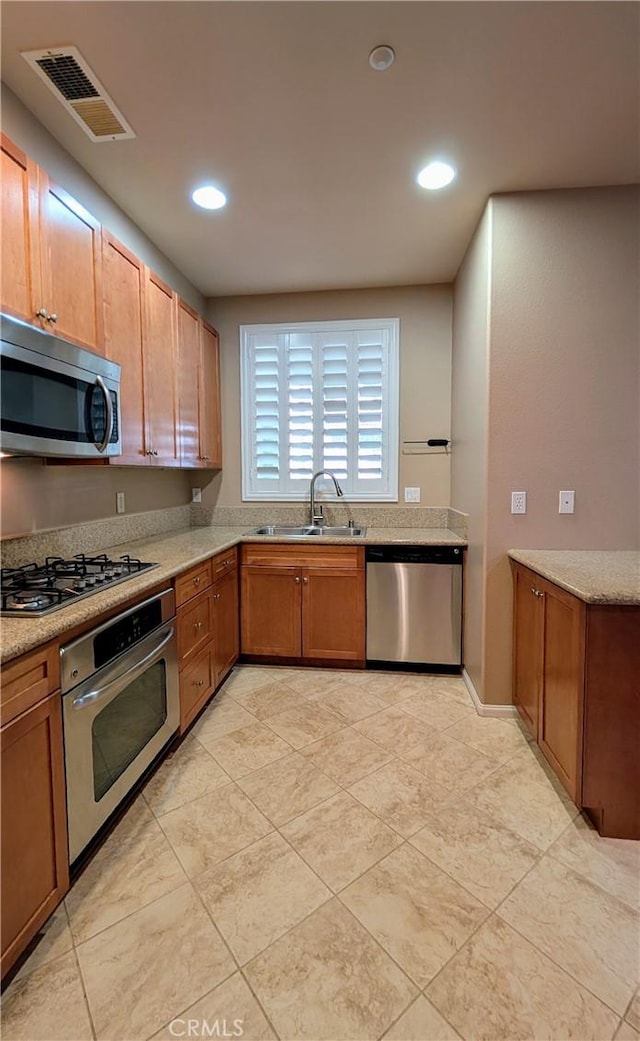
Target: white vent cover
column 74, row 83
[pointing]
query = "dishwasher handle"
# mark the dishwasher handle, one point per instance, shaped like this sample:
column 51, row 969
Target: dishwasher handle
column 414, row 554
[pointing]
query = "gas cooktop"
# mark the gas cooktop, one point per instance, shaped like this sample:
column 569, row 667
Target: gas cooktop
column 39, row 589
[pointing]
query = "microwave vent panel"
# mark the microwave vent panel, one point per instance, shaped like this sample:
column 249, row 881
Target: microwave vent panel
column 77, row 87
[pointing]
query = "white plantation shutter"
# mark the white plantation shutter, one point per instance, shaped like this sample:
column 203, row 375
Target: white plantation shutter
column 320, row 396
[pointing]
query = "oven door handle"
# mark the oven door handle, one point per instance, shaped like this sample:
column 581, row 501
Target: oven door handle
column 129, row 674
column 102, row 445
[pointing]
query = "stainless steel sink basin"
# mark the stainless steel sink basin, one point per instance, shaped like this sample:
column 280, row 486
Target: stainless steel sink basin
column 290, row 531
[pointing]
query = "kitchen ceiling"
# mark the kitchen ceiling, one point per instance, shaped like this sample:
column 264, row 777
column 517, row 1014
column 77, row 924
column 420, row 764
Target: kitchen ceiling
column 277, row 105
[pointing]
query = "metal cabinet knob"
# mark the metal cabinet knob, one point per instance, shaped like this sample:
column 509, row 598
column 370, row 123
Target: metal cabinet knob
column 196, row 580
column 41, row 313
column 297, row 579
column 305, row 581
column 198, row 683
column 52, row 318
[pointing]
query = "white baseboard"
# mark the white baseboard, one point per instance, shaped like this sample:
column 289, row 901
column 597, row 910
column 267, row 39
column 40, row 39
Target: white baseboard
column 501, row 711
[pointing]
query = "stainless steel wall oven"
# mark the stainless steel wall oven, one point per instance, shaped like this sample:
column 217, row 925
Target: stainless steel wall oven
column 120, row 704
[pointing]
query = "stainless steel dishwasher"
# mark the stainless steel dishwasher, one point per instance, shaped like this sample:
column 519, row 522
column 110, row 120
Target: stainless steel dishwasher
column 414, row 606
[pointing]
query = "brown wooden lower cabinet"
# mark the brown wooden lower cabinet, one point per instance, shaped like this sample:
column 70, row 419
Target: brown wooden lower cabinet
column 35, row 871
column 303, row 603
column 576, row 687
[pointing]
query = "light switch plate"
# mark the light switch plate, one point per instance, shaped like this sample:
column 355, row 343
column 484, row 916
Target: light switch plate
column 518, row 502
column 412, row 495
column 196, row 495
column 567, row 502
column 120, row 506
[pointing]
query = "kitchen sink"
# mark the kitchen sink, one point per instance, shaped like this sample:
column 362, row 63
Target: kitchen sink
column 328, row 531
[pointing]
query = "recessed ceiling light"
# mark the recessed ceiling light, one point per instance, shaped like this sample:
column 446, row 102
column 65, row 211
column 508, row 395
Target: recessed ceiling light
column 382, row 57
column 208, row 197
column 436, row 175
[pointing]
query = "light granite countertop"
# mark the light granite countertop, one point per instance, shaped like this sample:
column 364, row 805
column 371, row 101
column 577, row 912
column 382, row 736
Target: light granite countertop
column 175, row 552
column 595, row 576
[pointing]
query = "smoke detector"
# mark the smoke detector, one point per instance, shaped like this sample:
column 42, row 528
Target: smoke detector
column 382, row 57
column 77, row 87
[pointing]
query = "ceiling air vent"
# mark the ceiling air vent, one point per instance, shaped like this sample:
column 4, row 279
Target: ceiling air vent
column 68, row 76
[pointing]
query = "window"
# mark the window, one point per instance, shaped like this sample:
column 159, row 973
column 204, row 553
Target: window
column 320, row 396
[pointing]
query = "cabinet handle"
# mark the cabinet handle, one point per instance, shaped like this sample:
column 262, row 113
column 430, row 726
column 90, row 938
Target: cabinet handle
column 197, row 626
column 216, row 596
column 305, row 581
column 52, row 318
column 196, row 581
column 198, row 683
column 297, row 579
column 536, row 592
column 41, row 313
column 155, row 452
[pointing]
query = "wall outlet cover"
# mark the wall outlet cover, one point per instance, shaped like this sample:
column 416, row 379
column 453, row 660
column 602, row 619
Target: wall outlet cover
column 412, row 495
column 518, row 502
column 567, row 502
column 196, row 495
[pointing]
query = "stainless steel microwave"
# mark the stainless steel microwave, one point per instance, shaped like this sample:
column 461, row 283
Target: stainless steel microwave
column 56, row 399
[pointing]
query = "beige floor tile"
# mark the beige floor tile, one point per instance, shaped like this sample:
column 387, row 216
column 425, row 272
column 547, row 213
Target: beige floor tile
column 448, row 762
column 497, row 738
column 55, row 939
column 532, row 809
column 304, row 724
column 482, row 854
column 401, row 796
column 231, row 1006
column 47, row 1005
column 135, row 866
column 311, row 682
column 626, row 1032
column 451, row 686
column 220, row 718
column 531, row 765
column 185, row 775
column 346, row 756
column 249, row 677
column 349, row 701
column 395, row 730
column 207, row 830
column 437, row 710
column 328, row 980
column 591, row 934
column 143, row 971
column 394, row 687
column 269, row 700
column 633, row 1012
column 499, row 987
column 256, row 895
column 248, row 749
column 613, row 864
column 421, row 1022
column 340, row 839
column 417, row 913
column 287, row 788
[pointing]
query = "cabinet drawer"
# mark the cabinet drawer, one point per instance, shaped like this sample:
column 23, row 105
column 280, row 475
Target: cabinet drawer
column 195, row 627
column 196, row 684
column 192, row 582
column 28, row 679
column 224, row 562
column 302, row 555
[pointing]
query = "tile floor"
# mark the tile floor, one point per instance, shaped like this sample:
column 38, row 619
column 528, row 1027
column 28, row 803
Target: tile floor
column 333, row 855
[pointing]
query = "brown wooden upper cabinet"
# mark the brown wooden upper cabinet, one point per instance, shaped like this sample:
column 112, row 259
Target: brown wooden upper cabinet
column 51, row 256
column 198, row 365
column 159, row 349
column 303, row 603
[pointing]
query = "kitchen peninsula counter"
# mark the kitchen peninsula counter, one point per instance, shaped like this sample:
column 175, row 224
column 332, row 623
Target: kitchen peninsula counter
column 608, row 577
column 175, row 552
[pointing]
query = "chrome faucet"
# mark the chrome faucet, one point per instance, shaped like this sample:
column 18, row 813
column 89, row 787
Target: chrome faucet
column 316, row 515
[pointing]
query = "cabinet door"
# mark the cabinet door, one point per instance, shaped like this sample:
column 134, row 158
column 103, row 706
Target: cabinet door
column 188, row 365
column 71, row 266
column 333, row 613
column 561, row 705
column 195, row 627
column 270, row 611
column 123, row 278
column 159, row 372
column 19, row 210
column 210, row 417
column 35, row 872
column 527, row 646
column 226, row 638
column 196, row 686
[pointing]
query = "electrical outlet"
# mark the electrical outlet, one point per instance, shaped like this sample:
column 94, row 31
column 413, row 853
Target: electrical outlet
column 518, row 502
column 120, row 507
column 196, row 495
column 412, row 495
column 567, row 502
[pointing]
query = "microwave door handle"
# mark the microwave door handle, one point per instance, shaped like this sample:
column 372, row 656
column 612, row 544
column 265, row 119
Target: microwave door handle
column 129, row 674
column 102, row 446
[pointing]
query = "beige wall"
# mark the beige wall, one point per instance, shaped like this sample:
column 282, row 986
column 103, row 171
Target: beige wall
column 469, row 422
column 425, row 372
column 564, row 403
column 34, row 497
